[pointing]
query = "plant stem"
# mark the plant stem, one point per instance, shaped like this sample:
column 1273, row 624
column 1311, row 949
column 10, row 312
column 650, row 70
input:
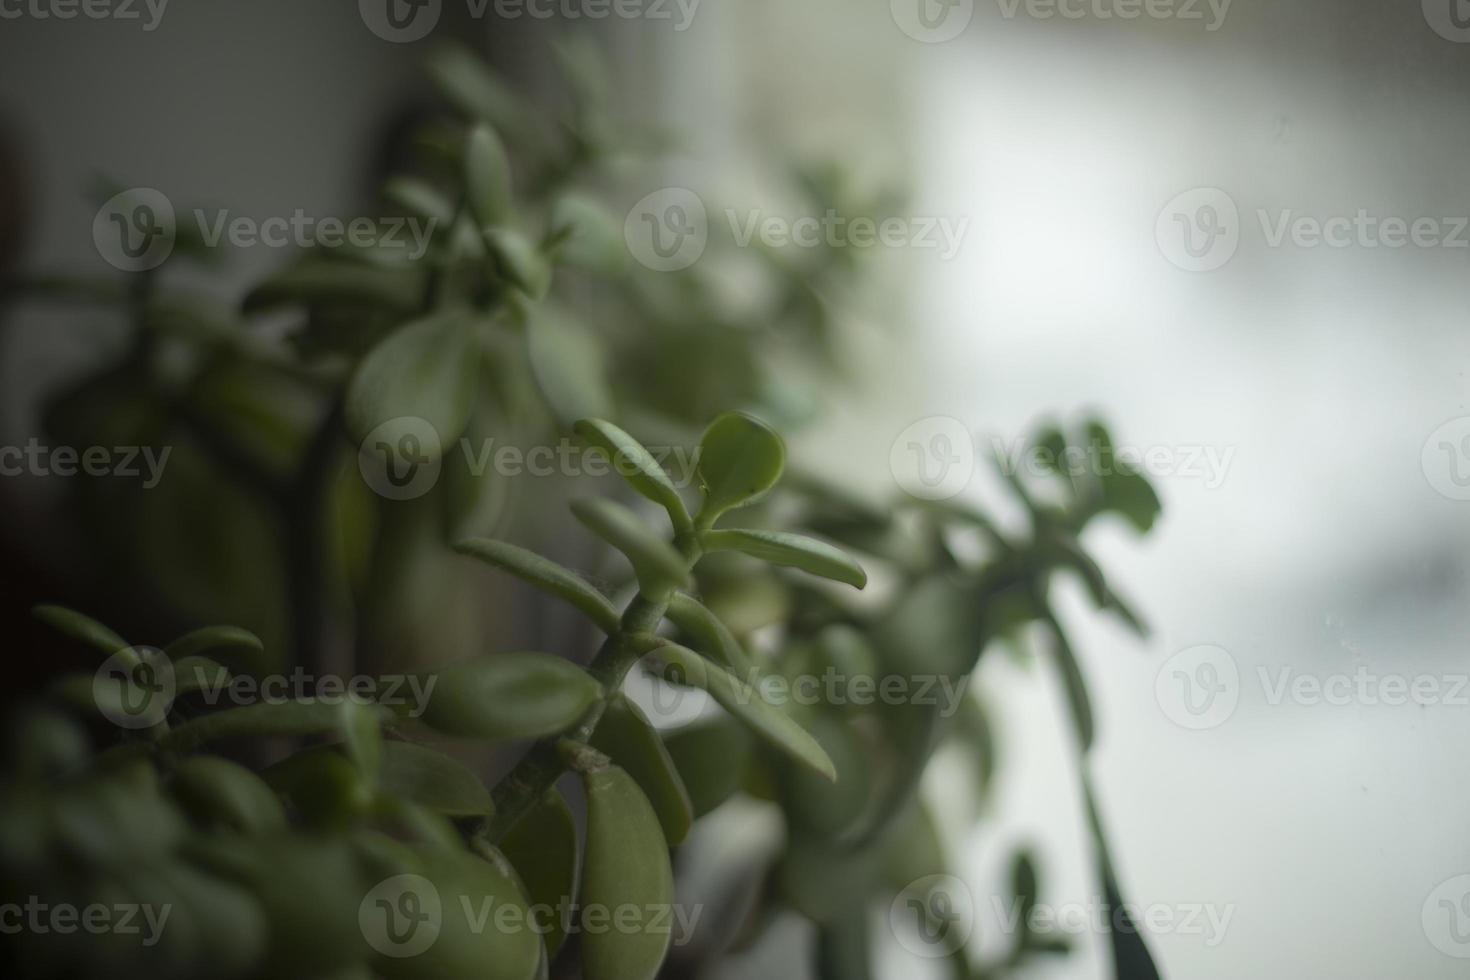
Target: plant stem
column 536, row 773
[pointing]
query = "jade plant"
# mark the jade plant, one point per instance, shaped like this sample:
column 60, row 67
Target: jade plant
column 365, row 834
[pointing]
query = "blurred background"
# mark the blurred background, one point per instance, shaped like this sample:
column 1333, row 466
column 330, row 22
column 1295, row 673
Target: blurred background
column 1133, row 187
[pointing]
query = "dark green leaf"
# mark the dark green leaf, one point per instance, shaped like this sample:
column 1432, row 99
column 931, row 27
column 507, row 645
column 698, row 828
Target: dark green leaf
column 510, row 695
column 424, row 372
column 635, row 464
column 433, row 780
column 546, row 575
column 487, row 177
column 658, row 564
column 684, row 666
column 625, row 736
column 740, row 458
column 792, row 550
column 80, row 627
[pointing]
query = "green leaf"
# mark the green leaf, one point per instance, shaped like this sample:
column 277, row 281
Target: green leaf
column 710, row 757
column 625, row 736
column 487, row 177
column 433, row 780
column 547, row 576
column 302, row 717
column 218, row 792
column 636, row 465
column 81, row 627
column 518, row 261
column 510, row 695
column 396, row 291
column 682, row 665
column 542, row 847
column 658, row 565
column 627, row 867
column 464, row 80
column 326, row 788
column 588, row 236
column 423, row 372
column 567, row 362
column 740, row 458
column 227, row 640
column 792, row 550
column 709, row 633
column 419, row 198
column 363, row 737
column 199, row 674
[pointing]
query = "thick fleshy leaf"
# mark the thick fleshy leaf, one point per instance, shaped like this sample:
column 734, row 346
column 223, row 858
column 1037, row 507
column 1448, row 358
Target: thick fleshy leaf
column 81, row 627
column 363, row 737
column 487, row 177
column 518, row 261
column 740, row 458
column 510, row 695
column 200, row 674
column 567, row 361
column 588, row 235
column 625, row 736
column 466, row 82
column 710, row 634
column 217, row 640
column 791, row 550
column 684, row 666
column 710, row 756
column 627, row 867
column 542, row 847
column 433, row 780
column 419, row 198
column 423, row 372
column 303, row 717
column 636, row 465
column 396, row 290
column 830, row 808
column 657, row 563
column 547, row 576
column 218, row 792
